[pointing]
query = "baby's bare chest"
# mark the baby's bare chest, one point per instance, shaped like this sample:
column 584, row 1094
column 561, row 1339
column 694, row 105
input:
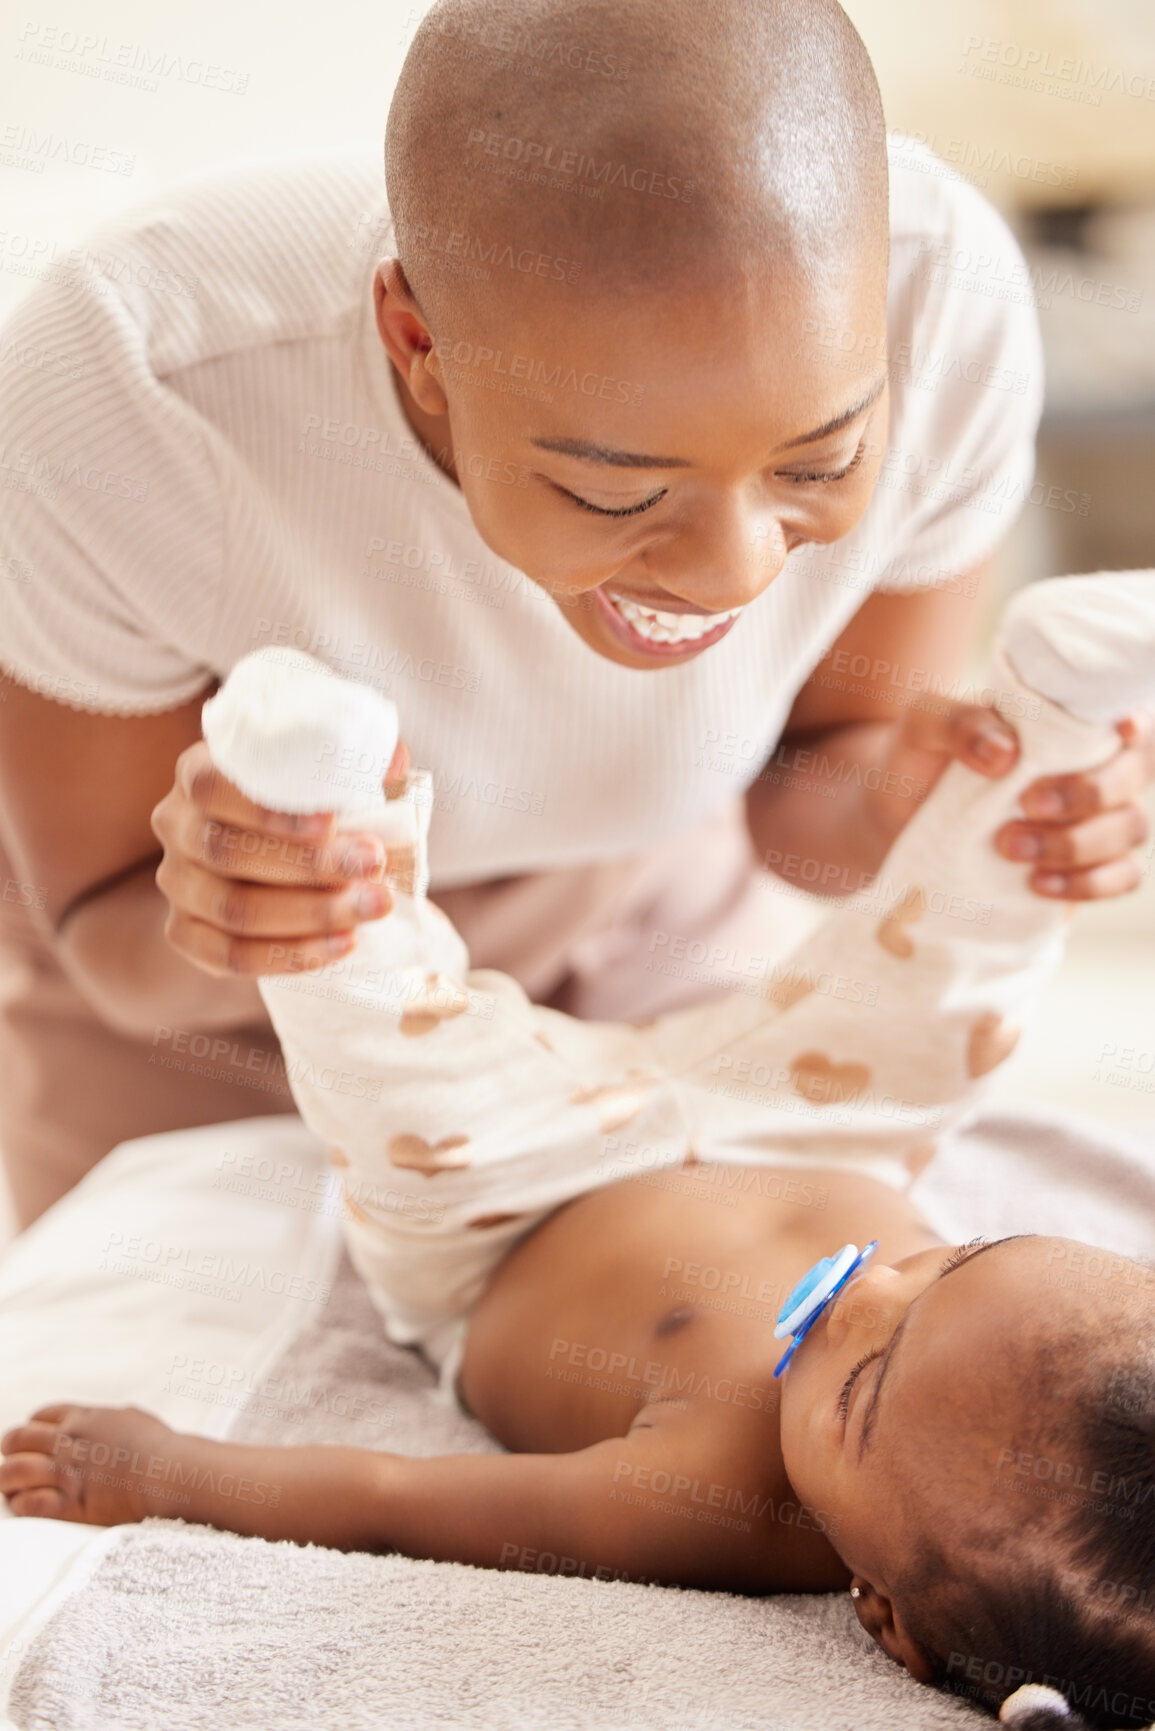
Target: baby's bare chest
column 646, row 1291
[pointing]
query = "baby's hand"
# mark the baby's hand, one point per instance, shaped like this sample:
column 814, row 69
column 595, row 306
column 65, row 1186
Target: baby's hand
column 1080, row 831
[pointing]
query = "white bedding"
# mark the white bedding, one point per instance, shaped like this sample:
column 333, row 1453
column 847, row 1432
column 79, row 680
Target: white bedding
column 173, row 1277
column 241, row 1223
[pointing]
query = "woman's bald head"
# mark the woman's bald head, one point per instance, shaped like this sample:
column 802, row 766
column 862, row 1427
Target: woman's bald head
column 633, row 144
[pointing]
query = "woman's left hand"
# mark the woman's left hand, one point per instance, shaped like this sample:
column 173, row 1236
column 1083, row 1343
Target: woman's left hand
column 1080, row 831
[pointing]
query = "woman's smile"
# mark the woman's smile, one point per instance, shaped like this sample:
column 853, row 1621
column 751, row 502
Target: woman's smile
column 664, row 635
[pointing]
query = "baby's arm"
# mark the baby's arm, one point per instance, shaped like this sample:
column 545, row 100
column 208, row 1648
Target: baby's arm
column 107, row 1466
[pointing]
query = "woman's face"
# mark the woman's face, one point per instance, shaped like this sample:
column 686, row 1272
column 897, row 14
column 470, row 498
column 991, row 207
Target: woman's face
column 688, row 446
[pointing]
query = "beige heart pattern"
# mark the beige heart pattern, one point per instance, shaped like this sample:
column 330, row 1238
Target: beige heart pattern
column 440, row 999
column 401, row 869
column 786, row 989
column 918, row 1159
column 890, row 933
column 484, row 1221
column 617, row 1102
column 418, row 1155
column 990, row 1041
column 824, row 1083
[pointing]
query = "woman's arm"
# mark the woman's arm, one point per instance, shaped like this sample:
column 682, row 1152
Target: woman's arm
column 176, row 933
column 76, row 792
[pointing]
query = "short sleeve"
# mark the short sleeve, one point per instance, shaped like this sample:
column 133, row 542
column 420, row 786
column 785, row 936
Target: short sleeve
column 110, row 536
column 966, row 369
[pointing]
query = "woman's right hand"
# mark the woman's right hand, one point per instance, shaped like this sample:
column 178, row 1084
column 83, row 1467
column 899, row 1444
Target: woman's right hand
column 254, row 892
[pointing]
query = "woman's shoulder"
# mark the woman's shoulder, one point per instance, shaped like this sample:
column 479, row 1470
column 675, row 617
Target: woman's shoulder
column 224, row 262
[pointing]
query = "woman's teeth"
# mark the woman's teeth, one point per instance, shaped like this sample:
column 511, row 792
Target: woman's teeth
column 668, row 627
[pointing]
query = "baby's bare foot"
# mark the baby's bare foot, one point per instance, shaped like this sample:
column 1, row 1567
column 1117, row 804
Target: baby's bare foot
column 101, row 1465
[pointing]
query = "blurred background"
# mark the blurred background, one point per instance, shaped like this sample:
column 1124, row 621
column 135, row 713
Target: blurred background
column 1047, row 105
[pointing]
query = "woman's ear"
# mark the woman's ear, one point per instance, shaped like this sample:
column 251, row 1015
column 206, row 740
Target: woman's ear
column 408, row 343
column 884, row 1624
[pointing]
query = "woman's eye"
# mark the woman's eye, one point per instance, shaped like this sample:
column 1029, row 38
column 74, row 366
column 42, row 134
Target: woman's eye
column 604, row 511
column 838, row 474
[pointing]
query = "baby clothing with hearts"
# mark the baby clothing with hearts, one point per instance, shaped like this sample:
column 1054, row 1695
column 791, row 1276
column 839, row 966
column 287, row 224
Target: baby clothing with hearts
column 458, row 1114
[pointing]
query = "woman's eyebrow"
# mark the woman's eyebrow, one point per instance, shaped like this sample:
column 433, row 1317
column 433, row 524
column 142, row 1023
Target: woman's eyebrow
column 843, row 420
column 888, row 1355
column 588, row 451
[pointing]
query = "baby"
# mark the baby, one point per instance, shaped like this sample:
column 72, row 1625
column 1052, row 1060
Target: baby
column 591, row 1229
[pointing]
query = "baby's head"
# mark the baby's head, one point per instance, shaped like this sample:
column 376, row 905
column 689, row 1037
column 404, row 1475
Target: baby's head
column 640, row 284
column 980, row 1423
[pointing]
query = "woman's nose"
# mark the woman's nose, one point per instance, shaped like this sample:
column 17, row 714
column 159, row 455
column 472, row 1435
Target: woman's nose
column 869, row 1306
column 725, row 562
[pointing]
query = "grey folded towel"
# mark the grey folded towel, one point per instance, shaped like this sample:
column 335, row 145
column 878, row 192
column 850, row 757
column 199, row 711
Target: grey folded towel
column 183, row 1627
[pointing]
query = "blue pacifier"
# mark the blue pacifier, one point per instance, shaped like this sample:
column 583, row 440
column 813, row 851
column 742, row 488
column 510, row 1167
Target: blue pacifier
column 814, row 1292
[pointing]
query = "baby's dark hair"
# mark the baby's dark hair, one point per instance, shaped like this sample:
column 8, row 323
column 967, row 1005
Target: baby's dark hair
column 1077, row 1614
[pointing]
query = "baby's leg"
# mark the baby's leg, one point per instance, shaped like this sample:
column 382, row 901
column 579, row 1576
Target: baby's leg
column 889, row 1016
column 457, row 1113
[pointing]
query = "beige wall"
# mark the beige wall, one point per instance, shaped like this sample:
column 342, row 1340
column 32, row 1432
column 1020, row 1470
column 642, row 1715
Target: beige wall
column 1021, row 89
